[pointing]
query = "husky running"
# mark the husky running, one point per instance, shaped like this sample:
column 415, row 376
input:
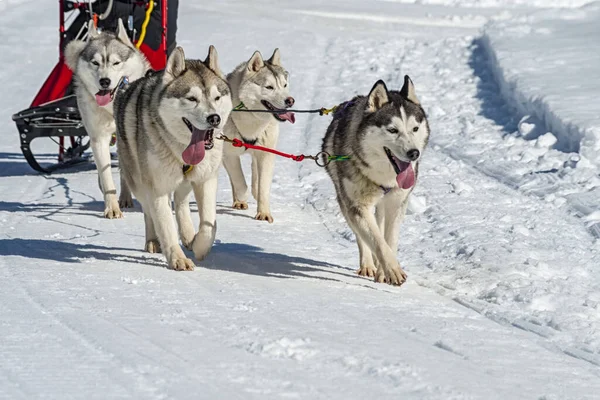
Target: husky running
column 384, row 134
column 98, row 65
column 166, row 127
column 259, row 85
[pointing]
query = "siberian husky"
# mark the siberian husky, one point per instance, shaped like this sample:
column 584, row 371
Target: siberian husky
column 167, row 123
column 384, row 134
column 98, row 65
column 259, row 85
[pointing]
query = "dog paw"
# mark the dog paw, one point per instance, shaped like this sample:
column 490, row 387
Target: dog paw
column 392, row 276
column 240, row 205
column 125, row 201
column 261, row 216
column 181, row 264
column 152, row 246
column 202, row 245
column 112, row 212
column 367, row 270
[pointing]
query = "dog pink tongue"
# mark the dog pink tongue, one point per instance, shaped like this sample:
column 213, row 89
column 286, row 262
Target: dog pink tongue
column 288, row 116
column 195, row 151
column 406, row 178
column 103, row 98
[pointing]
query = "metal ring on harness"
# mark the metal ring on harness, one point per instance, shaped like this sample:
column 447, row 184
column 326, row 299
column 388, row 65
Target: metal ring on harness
column 322, row 159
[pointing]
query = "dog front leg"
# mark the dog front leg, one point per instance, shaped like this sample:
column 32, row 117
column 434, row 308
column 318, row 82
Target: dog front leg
column 183, row 216
column 394, row 207
column 233, row 166
column 101, row 150
column 364, row 225
column 206, row 198
column 164, row 225
column 265, row 163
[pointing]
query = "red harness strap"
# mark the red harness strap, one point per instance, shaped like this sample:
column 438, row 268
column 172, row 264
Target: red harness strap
column 239, row 143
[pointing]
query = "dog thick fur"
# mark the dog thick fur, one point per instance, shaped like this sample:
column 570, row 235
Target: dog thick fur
column 167, row 122
column 260, row 85
column 98, row 65
column 385, row 134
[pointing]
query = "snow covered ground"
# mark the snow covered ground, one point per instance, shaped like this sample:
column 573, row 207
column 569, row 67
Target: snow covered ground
column 503, row 297
column 548, row 68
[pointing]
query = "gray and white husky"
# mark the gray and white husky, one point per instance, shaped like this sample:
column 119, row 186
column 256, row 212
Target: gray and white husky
column 260, row 85
column 166, row 126
column 384, row 134
column 98, row 65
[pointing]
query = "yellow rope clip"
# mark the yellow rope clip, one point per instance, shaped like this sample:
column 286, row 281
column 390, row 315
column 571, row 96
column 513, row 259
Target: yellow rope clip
column 327, row 111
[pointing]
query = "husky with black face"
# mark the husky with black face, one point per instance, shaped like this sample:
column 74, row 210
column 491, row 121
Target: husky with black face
column 167, row 124
column 260, row 85
column 98, row 65
column 384, row 134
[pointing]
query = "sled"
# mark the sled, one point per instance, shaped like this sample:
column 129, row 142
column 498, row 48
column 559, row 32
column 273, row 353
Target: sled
column 53, row 112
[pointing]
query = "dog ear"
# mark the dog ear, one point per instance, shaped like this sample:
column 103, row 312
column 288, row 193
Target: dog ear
column 408, row 90
column 378, row 97
column 256, row 62
column 92, row 31
column 122, row 33
column 72, row 52
column 212, row 61
column 275, row 58
column 175, row 64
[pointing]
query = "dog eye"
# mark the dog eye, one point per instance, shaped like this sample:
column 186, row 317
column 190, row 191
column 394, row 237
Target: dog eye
column 217, row 98
column 192, row 99
column 96, row 63
column 393, row 130
column 285, row 85
column 416, row 128
column 117, row 63
column 269, row 87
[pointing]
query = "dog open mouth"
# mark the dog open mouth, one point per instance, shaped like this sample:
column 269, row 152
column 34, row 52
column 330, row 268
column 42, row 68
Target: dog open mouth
column 405, row 174
column 201, row 141
column 103, row 97
column 282, row 115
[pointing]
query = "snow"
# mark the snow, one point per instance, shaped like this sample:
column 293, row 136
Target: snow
column 554, row 90
column 501, row 244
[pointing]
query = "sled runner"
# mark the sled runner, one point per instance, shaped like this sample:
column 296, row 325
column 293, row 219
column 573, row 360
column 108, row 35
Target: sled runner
column 53, row 112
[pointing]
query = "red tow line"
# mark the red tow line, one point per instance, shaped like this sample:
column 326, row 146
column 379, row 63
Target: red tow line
column 239, row 143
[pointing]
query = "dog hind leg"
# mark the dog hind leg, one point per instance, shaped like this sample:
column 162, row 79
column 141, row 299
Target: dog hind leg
column 233, row 166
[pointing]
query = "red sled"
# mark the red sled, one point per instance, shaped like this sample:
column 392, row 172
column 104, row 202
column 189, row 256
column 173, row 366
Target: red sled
column 53, row 113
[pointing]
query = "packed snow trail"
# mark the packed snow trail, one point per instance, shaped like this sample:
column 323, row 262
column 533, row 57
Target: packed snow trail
column 495, row 306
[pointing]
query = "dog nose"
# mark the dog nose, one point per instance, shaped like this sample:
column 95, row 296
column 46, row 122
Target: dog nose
column 105, row 83
column 290, row 101
column 413, row 154
column 214, row 119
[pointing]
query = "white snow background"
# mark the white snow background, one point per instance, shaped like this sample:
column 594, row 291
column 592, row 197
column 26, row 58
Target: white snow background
column 501, row 246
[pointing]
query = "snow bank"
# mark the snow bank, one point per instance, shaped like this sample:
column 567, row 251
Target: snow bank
column 548, row 65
